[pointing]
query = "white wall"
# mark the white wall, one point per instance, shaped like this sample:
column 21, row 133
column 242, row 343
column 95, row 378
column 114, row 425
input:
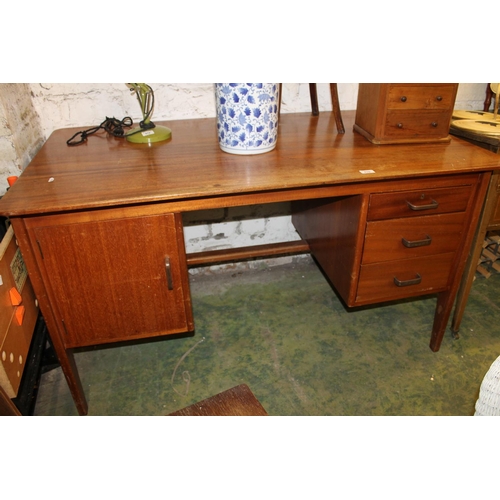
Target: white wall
column 60, row 105
column 79, row 104
column 20, row 132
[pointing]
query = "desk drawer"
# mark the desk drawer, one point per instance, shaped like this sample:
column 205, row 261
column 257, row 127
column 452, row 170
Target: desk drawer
column 394, row 280
column 419, row 202
column 407, row 238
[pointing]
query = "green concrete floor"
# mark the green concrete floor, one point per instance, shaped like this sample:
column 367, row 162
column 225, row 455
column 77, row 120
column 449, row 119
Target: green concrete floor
column 285, row 333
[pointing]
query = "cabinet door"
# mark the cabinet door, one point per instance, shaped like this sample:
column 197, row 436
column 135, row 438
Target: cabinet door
column 115, row 279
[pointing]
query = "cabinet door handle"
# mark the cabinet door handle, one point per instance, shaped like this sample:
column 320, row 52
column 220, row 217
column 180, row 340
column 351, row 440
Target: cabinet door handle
column 432, row 204
column 414, row 281
column 417, row 243
column 168, row 272
column 64, row 326
column 40, row 248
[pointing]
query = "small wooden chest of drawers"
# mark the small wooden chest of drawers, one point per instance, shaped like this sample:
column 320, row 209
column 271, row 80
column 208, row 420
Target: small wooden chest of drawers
column 391, row 113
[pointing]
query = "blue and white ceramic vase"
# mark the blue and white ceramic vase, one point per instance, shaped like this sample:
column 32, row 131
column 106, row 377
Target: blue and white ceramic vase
column 247, row 117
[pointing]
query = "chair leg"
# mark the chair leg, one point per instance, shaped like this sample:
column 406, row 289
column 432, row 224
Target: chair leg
column 280, row 86
column 314, row 99
column 314, row 104
column 487, row 100
column 336, row 108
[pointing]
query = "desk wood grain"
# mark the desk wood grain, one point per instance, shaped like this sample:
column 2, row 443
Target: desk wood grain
column 192, row 170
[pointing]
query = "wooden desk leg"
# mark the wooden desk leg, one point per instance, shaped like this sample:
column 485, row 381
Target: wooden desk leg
column 475, row 253
column 443, row 310
column 446, row 299
column 66, row 358
column 69, row 368
column 70, row 371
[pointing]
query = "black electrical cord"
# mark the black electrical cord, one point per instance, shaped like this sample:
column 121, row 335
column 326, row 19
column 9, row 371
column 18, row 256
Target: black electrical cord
column 112, row 126
column 115, row 127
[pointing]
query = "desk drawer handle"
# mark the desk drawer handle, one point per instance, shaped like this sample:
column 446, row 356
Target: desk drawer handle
column 414, row 281
column 168, row 272
column 432, row 204
column 417, row 243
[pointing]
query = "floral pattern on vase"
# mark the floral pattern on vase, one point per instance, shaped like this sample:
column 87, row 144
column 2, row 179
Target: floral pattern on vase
column 247, row 117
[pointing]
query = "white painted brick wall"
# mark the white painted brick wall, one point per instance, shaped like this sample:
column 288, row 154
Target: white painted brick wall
column 20, row 133
column 65, row 105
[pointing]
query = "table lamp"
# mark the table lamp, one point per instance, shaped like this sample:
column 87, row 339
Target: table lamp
column 147, row 132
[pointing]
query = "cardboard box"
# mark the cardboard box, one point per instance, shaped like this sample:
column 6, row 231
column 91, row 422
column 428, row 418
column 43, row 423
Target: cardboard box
column 18, row 314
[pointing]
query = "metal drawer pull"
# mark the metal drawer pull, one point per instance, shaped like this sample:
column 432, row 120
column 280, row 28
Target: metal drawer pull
column 434, row 124
column 417, row 243
column 433, row 204
column 403, row 98
column 168, row 271
column 414, row 281
column 439, row 98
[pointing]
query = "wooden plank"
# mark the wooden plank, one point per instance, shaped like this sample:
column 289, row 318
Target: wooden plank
column 237, row 402
column 483, row 271
column 250, row 252
column 489, row 255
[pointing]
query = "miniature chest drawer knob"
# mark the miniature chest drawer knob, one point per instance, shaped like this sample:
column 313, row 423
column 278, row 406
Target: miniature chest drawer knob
column 403, row 98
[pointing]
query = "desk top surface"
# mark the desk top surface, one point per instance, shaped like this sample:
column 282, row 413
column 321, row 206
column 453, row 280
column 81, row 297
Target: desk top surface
column 107, row 171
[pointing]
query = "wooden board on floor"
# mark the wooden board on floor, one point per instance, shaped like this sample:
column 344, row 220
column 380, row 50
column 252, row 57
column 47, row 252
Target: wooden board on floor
column 238, row 401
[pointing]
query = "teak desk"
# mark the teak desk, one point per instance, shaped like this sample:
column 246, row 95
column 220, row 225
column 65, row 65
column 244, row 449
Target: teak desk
column 100, row 224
